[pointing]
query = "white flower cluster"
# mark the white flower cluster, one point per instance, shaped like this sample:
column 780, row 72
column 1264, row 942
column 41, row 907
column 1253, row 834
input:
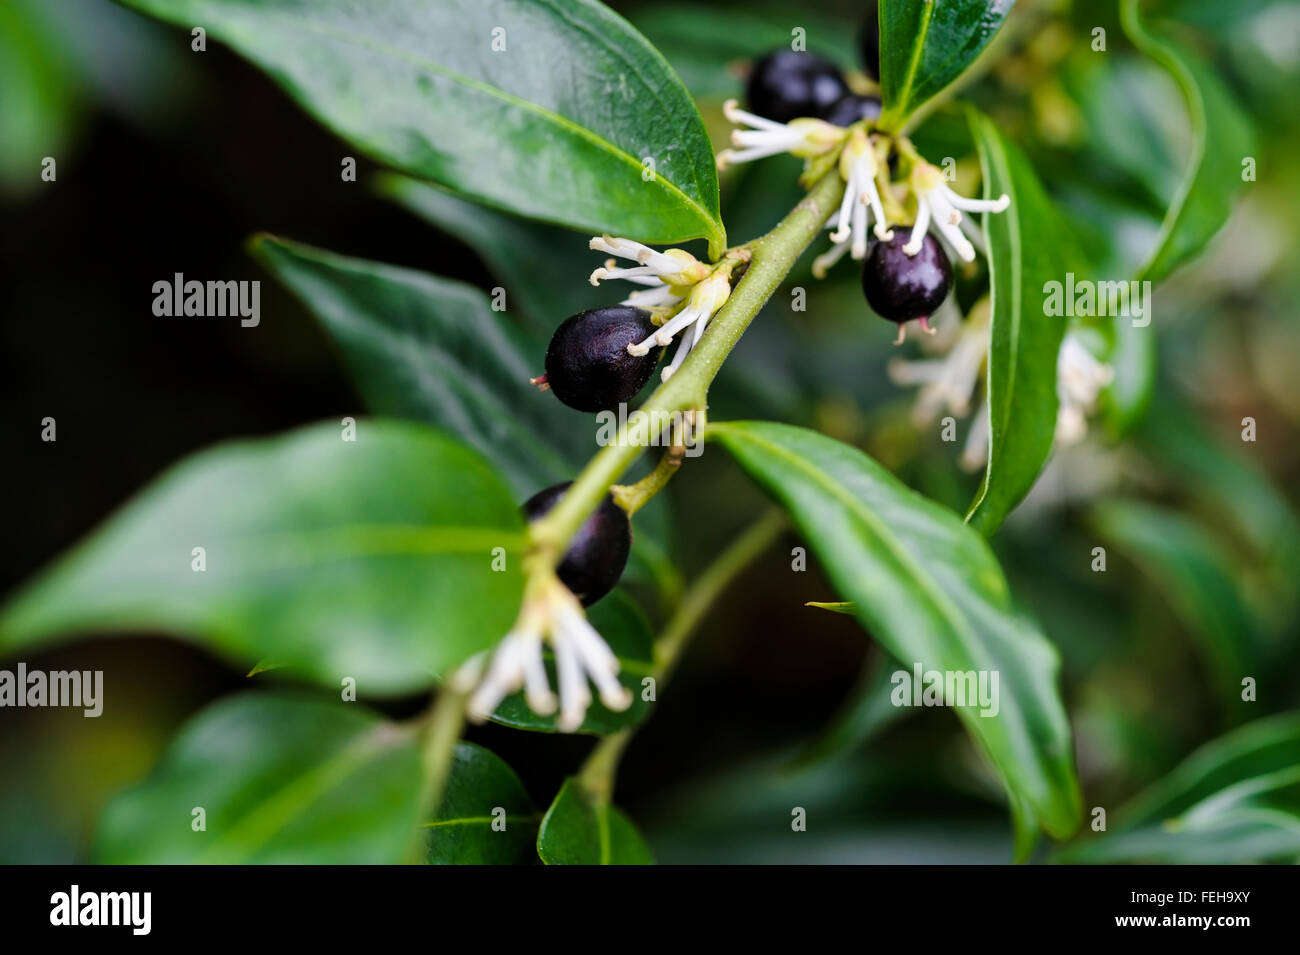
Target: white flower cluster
column 673, row 277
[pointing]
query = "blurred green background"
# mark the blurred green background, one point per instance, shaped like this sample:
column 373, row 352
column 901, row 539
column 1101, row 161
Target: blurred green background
column 169, row 159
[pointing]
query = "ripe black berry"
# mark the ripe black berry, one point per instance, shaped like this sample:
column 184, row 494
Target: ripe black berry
column 598, row 552
column 901, row 287
column 785, row 85
column 588, row 365
column 869, row 44
column 847, row 110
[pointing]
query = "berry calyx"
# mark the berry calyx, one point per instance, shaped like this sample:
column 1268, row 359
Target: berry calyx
column 785, row 85
column 900, row 286
column 849, row 109
column 588, row 365
column 598, row 552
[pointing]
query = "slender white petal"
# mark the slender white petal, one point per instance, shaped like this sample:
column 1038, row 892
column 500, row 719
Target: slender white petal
column 976, row 205
column 828, row 258
column 859, row 250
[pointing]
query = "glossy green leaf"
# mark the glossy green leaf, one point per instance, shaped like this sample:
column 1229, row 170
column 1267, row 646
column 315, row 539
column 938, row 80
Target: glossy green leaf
column 1236, row 799
column 1197, row 577
column 579, row 829
column 369, row 559
column 1221, row 139
column 543, row 268
column 280, row 779
column 482, row 795
column 925, row 45
column 929, row 589
column 1028, row 248
column 628, row 633
column 467, row 93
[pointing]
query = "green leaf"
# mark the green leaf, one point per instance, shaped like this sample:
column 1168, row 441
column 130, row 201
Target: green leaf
column 432, row 350
column 1132, row 358
column 461, row 831
column 1237, row 799
column 467, row 93
column 1027, row 250
column 39, row 75
column 580, row 829
column 1259, row 748
column 1221, row 139
column 1197, row 577
column 543, row 268
column 280, row 779
column 926, row 44
column 369, row 559
column 835, row 606
column 628, row 633
column 929, row 589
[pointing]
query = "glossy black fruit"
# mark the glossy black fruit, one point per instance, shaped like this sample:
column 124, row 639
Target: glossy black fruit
column 847, row 110
column 598, row 552
column 785, row 85
column 901, row 287
column 587, row 364
column 869, row 44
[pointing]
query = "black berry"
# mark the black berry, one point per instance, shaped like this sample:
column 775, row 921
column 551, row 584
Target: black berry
column 785, row 85
column 588, row 365
column 598, row 552
column 847, row 110
column 901, row 287
column 869, row 44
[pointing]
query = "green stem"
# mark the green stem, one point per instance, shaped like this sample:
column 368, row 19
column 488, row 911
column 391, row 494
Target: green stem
column 773, row 256
column 709, row 585
column 597, row 773
column 441, row 731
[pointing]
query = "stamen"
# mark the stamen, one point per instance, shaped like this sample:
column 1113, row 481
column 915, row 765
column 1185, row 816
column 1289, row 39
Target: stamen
column 902, row 334
column 913, row 245
column 734, row 114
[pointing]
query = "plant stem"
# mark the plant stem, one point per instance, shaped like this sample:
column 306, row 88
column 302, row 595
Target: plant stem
column 597, row 773
column 709, row 585
column 773, row 256
column 441, row 731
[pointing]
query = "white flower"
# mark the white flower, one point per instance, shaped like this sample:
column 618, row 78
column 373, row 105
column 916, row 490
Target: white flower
column 705, row 299
column 673, row 267
column 804, row 137
column 1079, row 380
column 551, row 615
column 947, row 383
column 938, row 205
column 858, row 167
